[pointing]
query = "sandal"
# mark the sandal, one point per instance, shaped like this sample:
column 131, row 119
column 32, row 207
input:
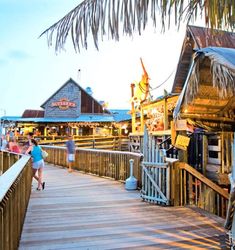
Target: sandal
column 38, row 189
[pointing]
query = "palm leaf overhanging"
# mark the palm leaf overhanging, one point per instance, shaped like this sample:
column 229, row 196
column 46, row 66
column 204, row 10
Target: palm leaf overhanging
column 108, row 17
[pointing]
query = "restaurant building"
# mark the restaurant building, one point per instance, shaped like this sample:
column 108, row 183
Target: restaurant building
column 70, row 110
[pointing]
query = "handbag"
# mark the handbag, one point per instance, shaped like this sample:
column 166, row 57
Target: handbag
column 44, row 154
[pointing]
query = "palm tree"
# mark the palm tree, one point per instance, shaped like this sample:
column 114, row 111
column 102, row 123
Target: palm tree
column 108, row 17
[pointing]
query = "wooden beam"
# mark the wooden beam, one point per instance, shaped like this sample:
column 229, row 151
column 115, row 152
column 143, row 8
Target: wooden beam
column 201, row 96
column 160, row 102
column 210, row 102
column 141, row 120
column 162, row 132
column 200, row 110
column 166, row 125
column 207, row 117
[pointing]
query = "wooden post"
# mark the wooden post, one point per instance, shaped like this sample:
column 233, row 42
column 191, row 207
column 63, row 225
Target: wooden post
column 133, row 109
column 222, row 151
column 45, row 131
column 166, row 123
column 173, row 133
column 204, row 154
column 141, row 119
column 227, row 153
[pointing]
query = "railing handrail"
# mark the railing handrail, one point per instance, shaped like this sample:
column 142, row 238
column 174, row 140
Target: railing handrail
column 9, row 177
column 107, row 142
column 95, row 150
column 202, row 178
column 112, row 164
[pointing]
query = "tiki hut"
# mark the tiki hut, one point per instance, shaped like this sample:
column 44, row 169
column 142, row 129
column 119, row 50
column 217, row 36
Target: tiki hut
column 207, row 103
column 208, row 93
column 198, row 38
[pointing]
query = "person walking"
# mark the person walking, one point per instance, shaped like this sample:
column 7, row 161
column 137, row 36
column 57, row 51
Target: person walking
column 5, row 144
column 70, row 145
column 28, row 143
column 14, row 146
column 38, row 162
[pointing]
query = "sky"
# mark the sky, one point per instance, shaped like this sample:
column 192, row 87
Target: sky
column 31, row 71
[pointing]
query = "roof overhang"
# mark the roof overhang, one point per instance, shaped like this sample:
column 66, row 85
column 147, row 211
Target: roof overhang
column 81, row 118
column 208, row 93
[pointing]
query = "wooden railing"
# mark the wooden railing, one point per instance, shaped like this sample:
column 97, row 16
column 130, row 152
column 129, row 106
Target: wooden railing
column 7, row 159
column 120, row 143
column 15, row 189
column 189, row 187
column 113, row 164
column 184, row 185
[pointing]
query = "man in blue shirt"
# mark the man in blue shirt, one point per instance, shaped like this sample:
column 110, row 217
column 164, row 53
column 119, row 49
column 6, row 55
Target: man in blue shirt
column 70, row 145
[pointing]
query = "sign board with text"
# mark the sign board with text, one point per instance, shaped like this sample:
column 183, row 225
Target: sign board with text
column 182, row 142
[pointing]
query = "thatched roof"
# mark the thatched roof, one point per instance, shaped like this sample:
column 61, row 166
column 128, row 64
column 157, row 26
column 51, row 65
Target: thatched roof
column 209, row 89
column 197, row 38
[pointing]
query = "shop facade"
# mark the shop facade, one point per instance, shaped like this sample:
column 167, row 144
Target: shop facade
column 70, row 110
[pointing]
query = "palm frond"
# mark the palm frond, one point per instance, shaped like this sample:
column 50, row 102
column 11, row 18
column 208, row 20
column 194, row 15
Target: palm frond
column 109, row 17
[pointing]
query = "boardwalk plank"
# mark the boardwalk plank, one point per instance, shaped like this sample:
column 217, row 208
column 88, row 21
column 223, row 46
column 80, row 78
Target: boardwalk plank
column 78, row 211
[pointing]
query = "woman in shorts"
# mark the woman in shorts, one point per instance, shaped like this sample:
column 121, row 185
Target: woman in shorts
column 38, row 162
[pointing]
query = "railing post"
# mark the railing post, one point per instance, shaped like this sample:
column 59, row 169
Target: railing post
column 190, row 189
column 6, row 161
column 168, row 183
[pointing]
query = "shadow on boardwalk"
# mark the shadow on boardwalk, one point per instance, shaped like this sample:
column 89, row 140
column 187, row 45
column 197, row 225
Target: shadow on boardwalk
column 78, row 211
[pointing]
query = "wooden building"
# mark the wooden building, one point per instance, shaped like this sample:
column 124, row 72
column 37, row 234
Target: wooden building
column 155, row 116
column 71, row 110
column 205, row 80
column 200, row 122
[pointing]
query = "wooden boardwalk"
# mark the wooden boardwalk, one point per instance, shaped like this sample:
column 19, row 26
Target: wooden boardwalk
column 78, row 211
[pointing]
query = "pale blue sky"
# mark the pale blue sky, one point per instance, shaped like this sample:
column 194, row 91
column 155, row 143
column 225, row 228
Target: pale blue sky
column 31, row 72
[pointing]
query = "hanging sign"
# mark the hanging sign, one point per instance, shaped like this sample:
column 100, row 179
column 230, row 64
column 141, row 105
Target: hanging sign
column 181, row 125
column 182, row 142
column 64, row 104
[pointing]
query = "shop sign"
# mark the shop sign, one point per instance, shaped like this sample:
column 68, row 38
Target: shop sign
column 182, row 142
column 64, row 104
column 181, row 125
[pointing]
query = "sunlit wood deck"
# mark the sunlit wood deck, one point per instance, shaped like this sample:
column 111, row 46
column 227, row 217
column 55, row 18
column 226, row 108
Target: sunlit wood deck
column 78, row 211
